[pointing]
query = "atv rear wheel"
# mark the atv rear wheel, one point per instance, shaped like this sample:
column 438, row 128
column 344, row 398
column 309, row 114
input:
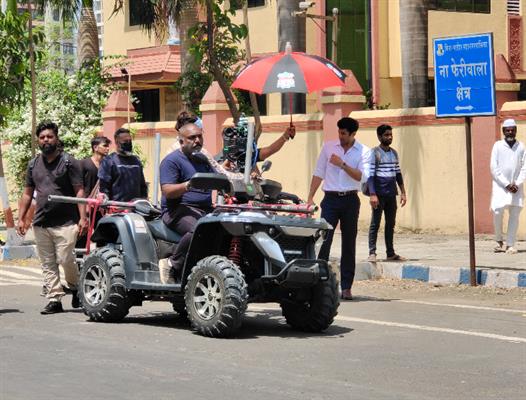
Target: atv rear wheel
column 316, row 314
column 101, row 288
column 216, row 297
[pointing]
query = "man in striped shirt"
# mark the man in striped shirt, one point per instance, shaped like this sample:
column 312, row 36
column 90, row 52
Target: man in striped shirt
column 384, row 175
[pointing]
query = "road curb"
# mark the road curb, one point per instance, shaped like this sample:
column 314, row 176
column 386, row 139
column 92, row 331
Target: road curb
column 440, row 275
column 10, row 253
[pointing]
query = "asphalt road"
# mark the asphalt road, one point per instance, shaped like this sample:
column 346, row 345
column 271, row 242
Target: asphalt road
column 397, row 340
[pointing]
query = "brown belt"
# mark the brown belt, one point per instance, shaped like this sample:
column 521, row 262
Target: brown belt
column 341, row 194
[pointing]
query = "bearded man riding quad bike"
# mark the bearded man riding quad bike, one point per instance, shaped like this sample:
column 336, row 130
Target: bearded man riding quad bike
column 258, row 247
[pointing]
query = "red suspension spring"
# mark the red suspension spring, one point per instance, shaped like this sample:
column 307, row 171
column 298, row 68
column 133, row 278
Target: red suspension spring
column 234, row 254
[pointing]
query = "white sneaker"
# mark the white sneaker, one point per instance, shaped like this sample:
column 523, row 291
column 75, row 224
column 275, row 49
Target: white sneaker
column 511, row 250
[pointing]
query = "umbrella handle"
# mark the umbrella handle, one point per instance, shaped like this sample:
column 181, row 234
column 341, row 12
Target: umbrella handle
column 290, row 111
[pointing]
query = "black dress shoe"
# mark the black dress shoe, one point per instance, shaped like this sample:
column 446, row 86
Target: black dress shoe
column 75, row 301
column 52, row 307
column 346, row 294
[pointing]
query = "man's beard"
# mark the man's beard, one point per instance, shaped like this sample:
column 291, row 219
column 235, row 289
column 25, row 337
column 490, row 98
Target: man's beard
column 48, row 148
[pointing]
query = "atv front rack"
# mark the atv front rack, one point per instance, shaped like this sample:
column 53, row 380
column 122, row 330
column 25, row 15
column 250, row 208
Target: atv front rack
column 258, row 206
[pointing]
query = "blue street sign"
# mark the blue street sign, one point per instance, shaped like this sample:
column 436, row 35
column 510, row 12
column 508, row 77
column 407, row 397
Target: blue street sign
column 464, row 76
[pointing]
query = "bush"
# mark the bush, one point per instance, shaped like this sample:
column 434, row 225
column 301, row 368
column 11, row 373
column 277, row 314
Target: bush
column 74, row 102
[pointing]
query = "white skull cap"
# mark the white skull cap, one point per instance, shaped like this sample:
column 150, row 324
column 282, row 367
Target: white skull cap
column 509, row 123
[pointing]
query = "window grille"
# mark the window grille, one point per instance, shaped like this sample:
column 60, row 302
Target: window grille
column 514, row 7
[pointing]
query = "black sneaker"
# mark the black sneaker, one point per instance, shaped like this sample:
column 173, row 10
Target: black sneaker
column 75, row 301
column 174, row 275
column 67, row 290
column 52, row 307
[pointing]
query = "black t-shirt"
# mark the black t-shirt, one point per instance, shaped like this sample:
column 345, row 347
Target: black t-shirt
column 56, row 178
column 89, row 175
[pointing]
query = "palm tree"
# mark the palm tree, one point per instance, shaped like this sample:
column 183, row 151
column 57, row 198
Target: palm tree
column 413, row 34
column 81, row 12
column 88, row 36
column 252, row 95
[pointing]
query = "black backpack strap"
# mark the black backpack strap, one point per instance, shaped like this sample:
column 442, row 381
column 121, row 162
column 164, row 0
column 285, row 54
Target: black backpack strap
column 31, row 165
column 67, row 159
column 377, row 159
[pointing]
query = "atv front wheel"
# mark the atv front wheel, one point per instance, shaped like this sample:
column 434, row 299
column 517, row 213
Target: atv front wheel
column 316, row 314
column 101, row 287
column 216, row 297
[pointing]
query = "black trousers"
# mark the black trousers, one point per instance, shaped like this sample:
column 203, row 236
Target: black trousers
column 387, row 205
column 182, row 220
column 345, row 210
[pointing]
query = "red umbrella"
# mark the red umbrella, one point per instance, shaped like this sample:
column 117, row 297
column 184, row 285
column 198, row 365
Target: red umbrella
column 289, row 72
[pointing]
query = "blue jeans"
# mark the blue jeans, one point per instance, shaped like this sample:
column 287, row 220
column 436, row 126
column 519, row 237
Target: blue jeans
column 345, row 210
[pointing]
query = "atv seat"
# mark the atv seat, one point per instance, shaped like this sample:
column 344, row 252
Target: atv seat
column 161, row 231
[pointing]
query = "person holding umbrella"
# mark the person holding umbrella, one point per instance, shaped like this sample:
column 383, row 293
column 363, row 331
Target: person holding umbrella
column 234, row 146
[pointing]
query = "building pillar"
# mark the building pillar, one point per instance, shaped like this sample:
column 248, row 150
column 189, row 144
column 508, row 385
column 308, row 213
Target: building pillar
column 115, row 114
column 215, row 112
column 339, row 102
column 486, row 131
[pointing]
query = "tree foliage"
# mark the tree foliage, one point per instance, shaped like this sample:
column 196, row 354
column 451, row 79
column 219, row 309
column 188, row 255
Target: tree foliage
column 217, row 50
column 74, row 102
column 14, row 61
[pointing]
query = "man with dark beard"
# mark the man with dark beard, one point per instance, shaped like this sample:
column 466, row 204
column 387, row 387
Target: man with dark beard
column 55, row 225
column 182, row 206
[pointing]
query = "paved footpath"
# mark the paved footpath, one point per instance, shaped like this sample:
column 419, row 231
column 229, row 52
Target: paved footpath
column 440, row 259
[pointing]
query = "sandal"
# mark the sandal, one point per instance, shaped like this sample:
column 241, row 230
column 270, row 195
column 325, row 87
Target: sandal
column 396, row 257
column 511, row 250
column 499, row 249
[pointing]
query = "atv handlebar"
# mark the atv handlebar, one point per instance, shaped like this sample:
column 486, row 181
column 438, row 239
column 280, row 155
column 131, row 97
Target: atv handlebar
column 100, row 202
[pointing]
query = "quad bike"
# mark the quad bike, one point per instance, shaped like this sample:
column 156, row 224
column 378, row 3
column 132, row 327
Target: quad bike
column 258, row 246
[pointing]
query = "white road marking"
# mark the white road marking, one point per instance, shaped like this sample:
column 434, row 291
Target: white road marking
column 4, row 282
column 27, row 268
column 434, row 329
column 427, row 303
column 16, row 275
column 512, row 339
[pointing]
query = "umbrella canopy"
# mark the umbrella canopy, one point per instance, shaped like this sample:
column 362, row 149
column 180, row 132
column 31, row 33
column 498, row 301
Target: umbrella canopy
column 289, row 72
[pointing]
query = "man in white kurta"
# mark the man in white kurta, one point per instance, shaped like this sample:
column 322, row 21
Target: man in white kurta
column 508, row 169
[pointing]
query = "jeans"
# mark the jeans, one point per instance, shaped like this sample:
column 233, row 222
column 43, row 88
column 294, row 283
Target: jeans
column 345, row 210
column 387, row 205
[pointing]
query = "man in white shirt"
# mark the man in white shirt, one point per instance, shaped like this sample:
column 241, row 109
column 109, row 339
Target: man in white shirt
column 508, row 169
column 340, row 167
